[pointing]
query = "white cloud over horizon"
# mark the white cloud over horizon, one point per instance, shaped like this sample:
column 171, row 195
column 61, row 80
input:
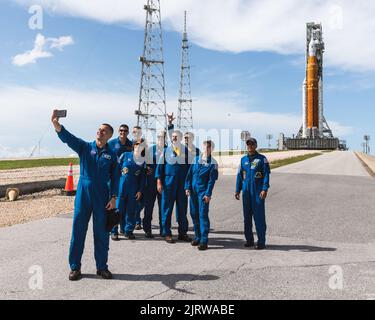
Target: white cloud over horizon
column 249, row 25
column 26, row 117
column 42, row 45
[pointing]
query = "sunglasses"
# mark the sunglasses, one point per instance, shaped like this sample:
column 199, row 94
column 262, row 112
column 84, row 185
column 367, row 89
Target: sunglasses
column 123, row 130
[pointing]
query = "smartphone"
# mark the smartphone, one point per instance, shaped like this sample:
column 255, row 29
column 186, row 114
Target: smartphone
column 61, row 113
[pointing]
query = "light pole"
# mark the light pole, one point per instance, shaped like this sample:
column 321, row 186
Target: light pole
column 366, row 137
column 269, row 137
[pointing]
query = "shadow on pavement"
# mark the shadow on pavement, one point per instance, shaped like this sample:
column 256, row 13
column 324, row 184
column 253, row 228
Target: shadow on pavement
column 304, row 248
column 232, row 243
column 228, row 232
column 169, row 280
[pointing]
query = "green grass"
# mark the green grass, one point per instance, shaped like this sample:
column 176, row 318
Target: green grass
column 284, row 162
column 34, row 163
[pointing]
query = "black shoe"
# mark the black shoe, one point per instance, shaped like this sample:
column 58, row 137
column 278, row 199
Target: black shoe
column 195, row 243
column 202, row 246
column 249, row 244
column 105, row 274
column 169, row 239
column 138, row 227
column 149, row 235
column 129, row 236
column 75, row 275
column 184, row 237
column 260, row 247
column 114, row 237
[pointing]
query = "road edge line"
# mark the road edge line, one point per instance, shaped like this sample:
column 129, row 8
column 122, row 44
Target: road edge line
column 365, row 165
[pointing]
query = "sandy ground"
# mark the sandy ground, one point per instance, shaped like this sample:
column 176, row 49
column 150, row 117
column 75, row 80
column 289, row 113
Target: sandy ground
column 33, row 207
column 36, row 174
column 368, row 160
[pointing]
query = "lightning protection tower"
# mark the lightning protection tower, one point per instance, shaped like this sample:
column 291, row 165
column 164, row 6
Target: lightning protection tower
column 151, row 111
column 185, row 103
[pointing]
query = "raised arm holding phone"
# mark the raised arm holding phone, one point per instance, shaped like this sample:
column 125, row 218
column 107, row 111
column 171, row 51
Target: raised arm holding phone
column 96, row 193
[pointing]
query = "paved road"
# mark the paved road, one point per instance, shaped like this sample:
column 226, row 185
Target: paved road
column 343, row 163
column 315, row 221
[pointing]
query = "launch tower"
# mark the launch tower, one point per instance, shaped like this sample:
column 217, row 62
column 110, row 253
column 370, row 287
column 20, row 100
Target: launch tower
column 315, row 132
column 185, row 103
column 151, row 111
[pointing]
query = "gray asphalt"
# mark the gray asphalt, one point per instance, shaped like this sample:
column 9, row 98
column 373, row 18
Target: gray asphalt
column 315, row 221
column 343, row 163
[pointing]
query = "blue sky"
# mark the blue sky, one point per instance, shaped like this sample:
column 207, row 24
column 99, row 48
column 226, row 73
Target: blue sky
column 246, row 74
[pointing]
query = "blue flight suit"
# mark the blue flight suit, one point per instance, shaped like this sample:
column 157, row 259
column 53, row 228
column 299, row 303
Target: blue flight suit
column 140, row 204
column 172, row 170
column 98, row 167
column 252, row 178
column 200, row 182
column 153, row 156
column 132, row 180
column 119, row 148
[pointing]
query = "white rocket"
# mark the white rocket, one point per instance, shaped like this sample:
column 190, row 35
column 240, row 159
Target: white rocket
column 312, row 96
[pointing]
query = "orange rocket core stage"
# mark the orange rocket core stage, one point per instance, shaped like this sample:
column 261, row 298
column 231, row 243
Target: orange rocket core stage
column 312, row 93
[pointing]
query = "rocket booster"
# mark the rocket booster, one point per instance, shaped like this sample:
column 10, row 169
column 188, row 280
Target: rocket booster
column 304, row 108
column 314, row 125
column 312, row 84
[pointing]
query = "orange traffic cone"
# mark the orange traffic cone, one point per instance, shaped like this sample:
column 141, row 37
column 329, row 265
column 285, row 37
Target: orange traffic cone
column 69, row 185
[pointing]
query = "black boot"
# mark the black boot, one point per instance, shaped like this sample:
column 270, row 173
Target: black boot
column 75, row 275
column 105, row 274
column 202, row 246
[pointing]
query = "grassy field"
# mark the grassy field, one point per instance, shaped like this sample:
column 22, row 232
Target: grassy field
column 34, row 163
column 284, row 162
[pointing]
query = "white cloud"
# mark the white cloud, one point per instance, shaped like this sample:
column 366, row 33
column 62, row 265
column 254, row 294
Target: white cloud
column 232, row 114
column 40, row 50
column 26, row 117
column 33, row 55
column 60, row 43
column 250, row 25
